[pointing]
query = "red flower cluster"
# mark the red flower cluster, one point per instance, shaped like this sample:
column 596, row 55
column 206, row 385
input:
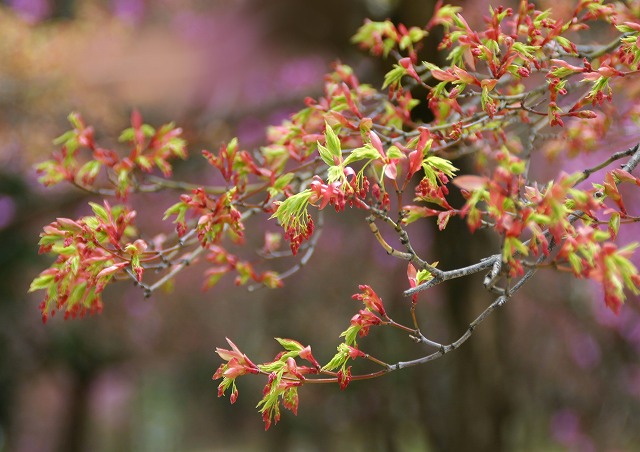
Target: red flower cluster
column 365, row 319
column 370, row 299
column 330, row 194
column 296, row 236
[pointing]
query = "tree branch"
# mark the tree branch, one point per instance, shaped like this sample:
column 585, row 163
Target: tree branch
column 485, row 263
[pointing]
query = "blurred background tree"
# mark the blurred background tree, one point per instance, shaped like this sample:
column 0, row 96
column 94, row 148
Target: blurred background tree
column 552, row 371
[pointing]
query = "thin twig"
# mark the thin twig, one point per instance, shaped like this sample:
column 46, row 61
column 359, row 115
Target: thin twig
column 484, row 264
column 175, row 270
column 307, row 255
column 388, row 248
column 617, row 156
column 493, row 261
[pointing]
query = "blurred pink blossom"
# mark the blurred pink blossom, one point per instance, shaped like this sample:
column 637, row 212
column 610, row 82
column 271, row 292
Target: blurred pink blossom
column 32, row 11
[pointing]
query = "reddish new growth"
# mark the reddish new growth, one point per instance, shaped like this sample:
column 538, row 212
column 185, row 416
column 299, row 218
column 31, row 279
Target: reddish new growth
column 296, row 236
column 517, row 91
column 90, row 251
column 365, row 319
column 330, row 194
column 370, row 299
